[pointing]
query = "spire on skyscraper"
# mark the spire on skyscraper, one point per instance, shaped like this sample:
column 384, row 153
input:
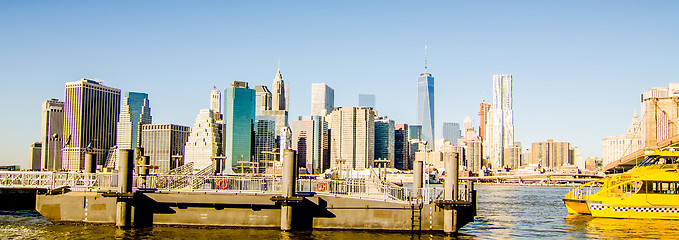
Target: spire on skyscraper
column 425, row 59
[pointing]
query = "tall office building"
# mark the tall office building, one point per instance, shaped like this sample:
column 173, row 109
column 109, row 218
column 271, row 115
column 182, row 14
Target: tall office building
column 616, row 147
column 451, row 132
column 216, row 100
column 512, row 156
column 281, row 117
column 473, row 156
column 279, row 93
column 501, row 135
column 262, row 100
column 352, row 137
column 322, row 99
column 164, row 144
column 36, row 148
column 415, row 132
column 51, row 134
column 425, row 104
column 239, row 117
column 309, row 138
column 204, row 141
column 90, row 115
column 265, row 140
column 551, row 154
column 484, row 112
column 401, row 147
column 134, row 112
column 385, row 140
column 366, row 100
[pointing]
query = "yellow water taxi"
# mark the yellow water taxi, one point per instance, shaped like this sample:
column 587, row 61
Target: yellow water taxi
column 649, row 190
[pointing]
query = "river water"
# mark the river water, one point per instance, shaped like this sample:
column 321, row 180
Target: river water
column 504, row 212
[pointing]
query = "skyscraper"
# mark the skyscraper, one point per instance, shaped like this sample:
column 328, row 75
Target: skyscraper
column 35, row 156
column 239, row 117
column 502, row 120
column 204, row 140
column 51, row 134
column 385, row 139
column 322, row 99
column 484, row 109
column 279, row 94
column 90, row 115
column 451, row 132
column 415, row 132
column 366, row 100
column 401, row 147
column 309, row 138
column 425, row 104
column 164, row 143
column 134, row 112
column 265, row 139
column 262, row 100
column 551, row 154
column 216, row 100
column 352, row 132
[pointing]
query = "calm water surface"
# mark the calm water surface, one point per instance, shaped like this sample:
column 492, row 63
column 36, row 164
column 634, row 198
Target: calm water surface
column 504, row 212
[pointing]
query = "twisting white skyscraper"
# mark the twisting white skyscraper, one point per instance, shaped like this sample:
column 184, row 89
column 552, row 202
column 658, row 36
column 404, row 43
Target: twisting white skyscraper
column 425, row 104
column 501, row 135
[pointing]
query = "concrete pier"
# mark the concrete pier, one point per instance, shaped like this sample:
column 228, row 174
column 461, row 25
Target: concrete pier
column 124, row 209
column 450, row 191
column 90, row 165
column 259, row 201
column 418, row 173
column 288, row 188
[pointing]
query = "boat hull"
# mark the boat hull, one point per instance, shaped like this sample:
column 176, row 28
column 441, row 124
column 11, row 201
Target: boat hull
column 577, row 206
column 630, row 211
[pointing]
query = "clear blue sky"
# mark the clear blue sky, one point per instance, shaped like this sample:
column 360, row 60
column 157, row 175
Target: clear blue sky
column 579, row 67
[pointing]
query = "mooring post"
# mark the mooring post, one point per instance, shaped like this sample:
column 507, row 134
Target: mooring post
column 417, row 179
column 90, row 166
column 450, row 190
column 287, row 187
column 124, row 210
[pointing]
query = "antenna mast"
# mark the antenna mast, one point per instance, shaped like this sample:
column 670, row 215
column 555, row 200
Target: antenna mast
column 425, row 59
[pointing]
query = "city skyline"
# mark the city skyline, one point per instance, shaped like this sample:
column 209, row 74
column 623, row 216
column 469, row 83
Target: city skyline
column 592, row 53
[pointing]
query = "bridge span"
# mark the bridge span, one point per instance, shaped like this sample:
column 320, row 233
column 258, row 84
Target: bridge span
column 556, row 178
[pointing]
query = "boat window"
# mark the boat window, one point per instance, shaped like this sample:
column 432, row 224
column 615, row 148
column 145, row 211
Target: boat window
column 658, row 160
column 629, row 187
column 658, row 187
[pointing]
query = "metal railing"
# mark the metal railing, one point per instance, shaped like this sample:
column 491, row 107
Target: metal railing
column 355, row 188
column 53, row 180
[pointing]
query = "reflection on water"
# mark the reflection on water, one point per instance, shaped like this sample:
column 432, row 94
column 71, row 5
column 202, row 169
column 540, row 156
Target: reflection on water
column 504, row 212
column 612, row 228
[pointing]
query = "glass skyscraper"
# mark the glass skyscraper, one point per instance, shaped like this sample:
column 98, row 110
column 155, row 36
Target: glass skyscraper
column 384, row 140
column 451, row 132
column 239, row 116
column 134, row 112
column 322, row 99
column 366, row 100
column 425, row 107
